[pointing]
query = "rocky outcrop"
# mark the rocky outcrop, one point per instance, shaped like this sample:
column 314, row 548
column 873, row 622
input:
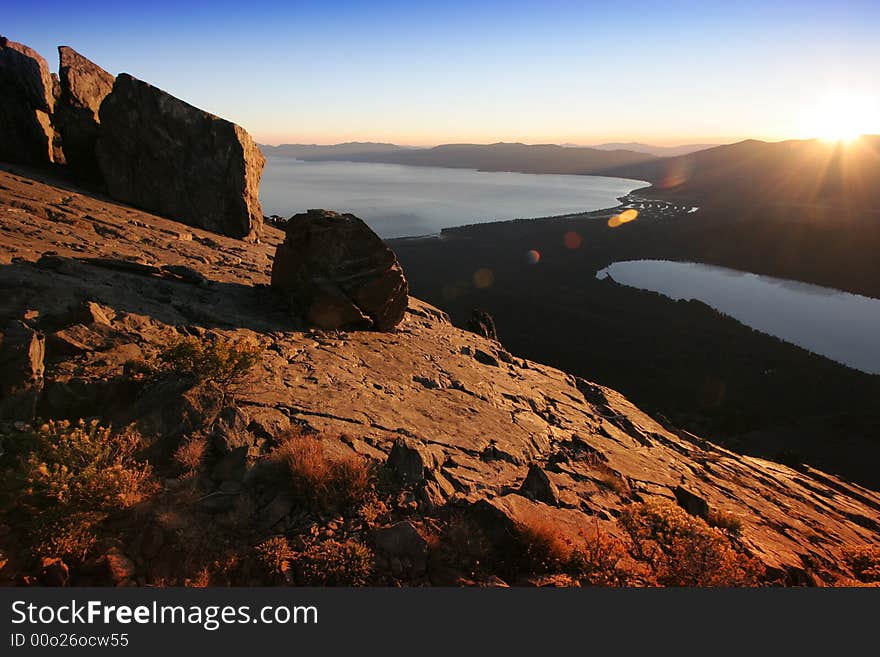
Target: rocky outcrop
column 508, row 439
column 166, row 156
column 482, row 323
column 22, row 350
column 83, row 86
column 338, row 273
column 26, row 105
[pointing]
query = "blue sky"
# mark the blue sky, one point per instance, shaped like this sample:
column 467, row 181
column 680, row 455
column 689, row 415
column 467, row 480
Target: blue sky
column 436, row 72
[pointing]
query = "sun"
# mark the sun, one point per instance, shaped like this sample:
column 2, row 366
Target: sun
column 842, row 116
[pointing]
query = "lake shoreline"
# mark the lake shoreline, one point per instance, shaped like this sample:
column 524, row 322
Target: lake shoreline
column 403, row 201
column 831, row 323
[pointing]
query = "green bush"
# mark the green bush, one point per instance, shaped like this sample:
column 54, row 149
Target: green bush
column 221, row 361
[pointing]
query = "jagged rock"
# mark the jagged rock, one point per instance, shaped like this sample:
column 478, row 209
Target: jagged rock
column 276, row 510
column 485, row 358
column 162, row 154
column 26, row 105
column 537, row 486
column 482, row 323
column 338, row 273
column 691, row 502
column 22, row 353
column 186, row 274
column 437, row 490
column 83, row 86
column 401, row 540
column 231, row 430
column 412, row 461
column 267, row 423
column 173, row 408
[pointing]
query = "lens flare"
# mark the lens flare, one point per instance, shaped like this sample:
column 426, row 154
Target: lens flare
column 533, row 257
column 572, row 240
column 483, row 278
column 623, row 218
column 674, row 174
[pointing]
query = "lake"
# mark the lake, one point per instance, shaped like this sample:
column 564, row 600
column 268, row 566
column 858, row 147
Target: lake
column 841, row 326
column 402, row 201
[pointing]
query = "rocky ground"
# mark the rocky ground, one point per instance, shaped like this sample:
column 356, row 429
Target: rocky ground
column 467, row 425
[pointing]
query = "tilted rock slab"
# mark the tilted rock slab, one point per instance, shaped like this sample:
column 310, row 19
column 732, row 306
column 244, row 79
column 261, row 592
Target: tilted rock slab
column 26, row 105
column 164, row 155
column 83, row 87
column 339, row 273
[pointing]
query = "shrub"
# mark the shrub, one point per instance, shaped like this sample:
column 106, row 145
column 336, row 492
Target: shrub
column 726, row 522
column 324, row 483
column 70, row 538
column 218, row 360
column 190, row 453
column 85, row 464
column 540, row 546
column 65, row 478
column 602, row 560
column 682, row 550
column 595, row 559
column 274, row 555
column 864, row 562
column 463, row 546
column 335, row 563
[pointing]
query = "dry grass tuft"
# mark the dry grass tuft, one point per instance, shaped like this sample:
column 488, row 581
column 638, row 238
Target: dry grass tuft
column 190, row 454
column 340, row 484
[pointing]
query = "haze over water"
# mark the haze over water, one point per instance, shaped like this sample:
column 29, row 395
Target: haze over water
column 404, row 201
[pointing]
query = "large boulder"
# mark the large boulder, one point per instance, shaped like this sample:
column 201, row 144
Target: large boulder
column 338, row 273
column 26, row 105
column 166, row 156
column 83, row 86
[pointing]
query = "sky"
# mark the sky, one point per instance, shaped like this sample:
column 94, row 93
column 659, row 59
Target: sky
column 424, row 73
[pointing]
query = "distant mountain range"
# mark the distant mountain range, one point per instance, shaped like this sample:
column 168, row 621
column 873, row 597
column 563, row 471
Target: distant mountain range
column 523, row 158
column 659, row 151
column 794, row 172
column 337, row 151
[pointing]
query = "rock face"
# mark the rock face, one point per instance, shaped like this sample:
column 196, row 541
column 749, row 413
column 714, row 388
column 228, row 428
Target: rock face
column 22, row 351
column 83, row 86
column 511, row 439
column 166, row 156
column 338, row 273
column 26, row 105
